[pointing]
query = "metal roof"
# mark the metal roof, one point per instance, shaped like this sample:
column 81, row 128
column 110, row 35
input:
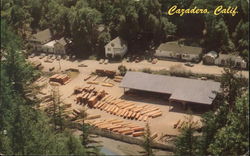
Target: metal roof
column 183, row 89
column 176, row 48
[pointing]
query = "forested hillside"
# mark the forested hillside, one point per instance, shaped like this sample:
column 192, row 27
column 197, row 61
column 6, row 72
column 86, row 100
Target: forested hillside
column 23, row 129
column 143, row 24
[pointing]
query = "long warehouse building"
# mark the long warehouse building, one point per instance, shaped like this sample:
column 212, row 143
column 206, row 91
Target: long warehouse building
column 183, row 90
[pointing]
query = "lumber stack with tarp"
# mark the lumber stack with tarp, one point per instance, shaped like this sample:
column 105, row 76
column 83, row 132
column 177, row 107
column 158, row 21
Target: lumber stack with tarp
column 60, row 78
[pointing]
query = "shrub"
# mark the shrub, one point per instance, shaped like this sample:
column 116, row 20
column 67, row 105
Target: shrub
column 179, row 70
column 147, row 70
column 122, row 69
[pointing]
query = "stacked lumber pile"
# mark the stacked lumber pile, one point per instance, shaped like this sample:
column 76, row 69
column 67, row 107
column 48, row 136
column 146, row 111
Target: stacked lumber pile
column 41, row 79
column 108, row 73
column 60, row 78
column 36, row 64
column 128, row 110
column 105, row 82
column 118, row 126
column 181, row 124
column 118, row 78
column 88, row 95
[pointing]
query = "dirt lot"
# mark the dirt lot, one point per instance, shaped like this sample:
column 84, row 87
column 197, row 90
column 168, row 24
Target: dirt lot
column 161, row 125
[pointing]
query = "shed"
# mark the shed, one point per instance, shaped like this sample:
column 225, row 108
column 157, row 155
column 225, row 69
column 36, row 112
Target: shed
column 180, row 89
column 210, row 57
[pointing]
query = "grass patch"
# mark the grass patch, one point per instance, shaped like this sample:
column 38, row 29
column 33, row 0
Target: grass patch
column 179, row 71
column 92, row 57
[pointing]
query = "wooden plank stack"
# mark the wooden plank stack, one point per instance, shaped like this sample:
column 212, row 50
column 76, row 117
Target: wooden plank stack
column 181, row 124
column 127, row 110
column 88, row 95
column 108, row 73
column 118, row 78
column 60, row 78
column 118, row 126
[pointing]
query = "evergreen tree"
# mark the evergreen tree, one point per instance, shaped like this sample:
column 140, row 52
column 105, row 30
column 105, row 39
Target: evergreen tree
column 148, row 151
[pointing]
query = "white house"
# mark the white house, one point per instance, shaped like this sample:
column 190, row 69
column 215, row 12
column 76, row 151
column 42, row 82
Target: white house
column 116, row 48
column 42, row 42
column 173, row 50
column 226, row 59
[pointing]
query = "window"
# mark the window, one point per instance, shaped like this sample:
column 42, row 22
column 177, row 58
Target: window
column 109, row 49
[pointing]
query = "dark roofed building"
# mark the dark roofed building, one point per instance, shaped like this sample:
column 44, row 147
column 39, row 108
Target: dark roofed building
column 179, row 89
column 180, row 52
column 61, row 45
column 42, row 37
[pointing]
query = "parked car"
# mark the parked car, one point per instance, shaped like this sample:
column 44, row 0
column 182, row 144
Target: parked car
column 53, row 57
column 154, row 61
column 58, row 57
column 50, row 56
column 101, row 61
column 32, row 55
column 106, row 61
column 203, row 78
column 42, row 56
column 189, row 64
column 82, row 65
column 73, row 57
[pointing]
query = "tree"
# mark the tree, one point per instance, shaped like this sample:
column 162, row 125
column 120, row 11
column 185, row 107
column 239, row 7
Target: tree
column 217, row 35
column 232, row 139
column 74, row 146
column 23, row 129
column 224, row 131
column 233, row 85
column 186, row 143
column 84, row 29
column 148, row 151
column 57, row 109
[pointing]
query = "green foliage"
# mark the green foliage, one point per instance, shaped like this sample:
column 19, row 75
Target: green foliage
column 148, row 151
column 23, row 129
column 122, row 69
column 233, row 139
column 225, row 131
column 142, row 24
column 233, row 85
column 186, row 143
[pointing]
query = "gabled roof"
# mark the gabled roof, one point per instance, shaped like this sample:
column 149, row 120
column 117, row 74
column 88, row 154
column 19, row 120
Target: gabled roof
column 212, row 54
column 183, row 89
column 174, row 47
column 117, row 43
column 230, row 57
column 62, row 41
column 42, row 36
